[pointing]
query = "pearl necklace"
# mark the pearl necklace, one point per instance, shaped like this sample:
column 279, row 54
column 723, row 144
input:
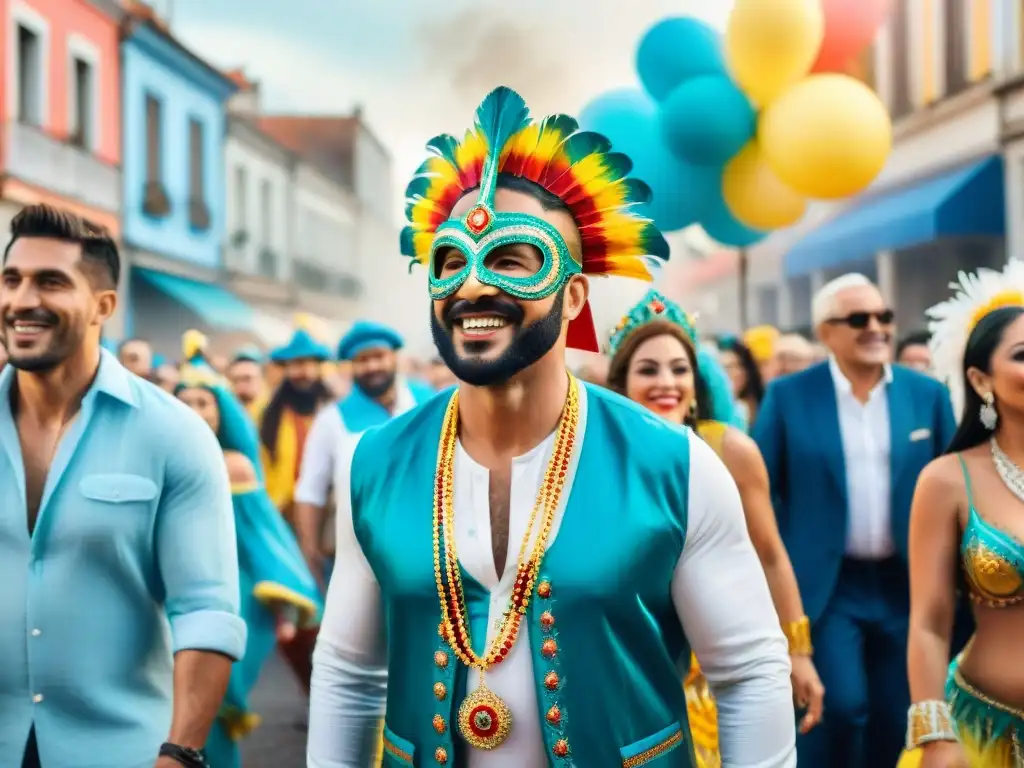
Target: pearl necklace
column 1011, row 475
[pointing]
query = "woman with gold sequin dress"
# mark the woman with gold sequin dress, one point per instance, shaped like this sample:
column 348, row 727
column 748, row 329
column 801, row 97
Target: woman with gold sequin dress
column 279, row 594
column 657, row 362
column 966, row 527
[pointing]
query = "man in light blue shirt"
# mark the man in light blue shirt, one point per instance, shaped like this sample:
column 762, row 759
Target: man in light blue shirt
column 120, row 596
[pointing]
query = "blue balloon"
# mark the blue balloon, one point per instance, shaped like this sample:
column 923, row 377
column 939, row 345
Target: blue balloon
column 721, row 226
column 629, row 118
column 707, row 120
column 675, row 50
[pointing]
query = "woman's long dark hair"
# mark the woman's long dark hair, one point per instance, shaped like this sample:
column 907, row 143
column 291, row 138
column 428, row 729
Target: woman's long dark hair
column 981, row 345
column 753, row 390
column 618, row 370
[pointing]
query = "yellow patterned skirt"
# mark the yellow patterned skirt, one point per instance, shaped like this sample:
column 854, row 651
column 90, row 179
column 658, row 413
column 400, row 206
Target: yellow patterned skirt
column 703, row 715
column 992, row 733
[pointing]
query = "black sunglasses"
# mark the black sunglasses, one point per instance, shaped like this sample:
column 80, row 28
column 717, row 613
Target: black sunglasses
column 861, row 320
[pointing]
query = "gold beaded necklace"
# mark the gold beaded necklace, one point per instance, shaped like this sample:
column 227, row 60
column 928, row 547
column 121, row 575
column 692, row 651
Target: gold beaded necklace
column 484, row 719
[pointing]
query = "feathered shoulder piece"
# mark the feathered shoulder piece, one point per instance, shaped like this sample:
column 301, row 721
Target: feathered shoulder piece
column 577, row 166
column 952, row 321
column 653, row 306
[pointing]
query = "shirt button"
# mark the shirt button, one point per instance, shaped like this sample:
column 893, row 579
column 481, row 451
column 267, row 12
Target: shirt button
column 38, row 698
column 36, row 632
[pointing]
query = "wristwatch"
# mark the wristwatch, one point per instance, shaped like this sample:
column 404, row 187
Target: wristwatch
column 188, row 757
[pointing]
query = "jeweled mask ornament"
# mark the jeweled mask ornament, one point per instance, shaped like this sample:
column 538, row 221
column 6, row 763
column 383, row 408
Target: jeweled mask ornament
column 576, row 166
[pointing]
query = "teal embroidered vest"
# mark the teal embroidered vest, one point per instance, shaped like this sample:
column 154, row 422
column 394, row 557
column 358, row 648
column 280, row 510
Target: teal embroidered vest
column 611, row 694
column 360, row 412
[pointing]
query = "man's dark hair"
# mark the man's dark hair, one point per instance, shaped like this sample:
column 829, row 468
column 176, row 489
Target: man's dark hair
column 100, row 259
column 548, row 200
column 917, row 338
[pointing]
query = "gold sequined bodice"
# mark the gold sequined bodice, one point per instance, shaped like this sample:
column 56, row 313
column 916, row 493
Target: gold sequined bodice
column 993, row 559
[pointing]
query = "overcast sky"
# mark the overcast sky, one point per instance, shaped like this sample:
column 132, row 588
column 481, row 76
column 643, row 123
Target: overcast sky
column 418, row 71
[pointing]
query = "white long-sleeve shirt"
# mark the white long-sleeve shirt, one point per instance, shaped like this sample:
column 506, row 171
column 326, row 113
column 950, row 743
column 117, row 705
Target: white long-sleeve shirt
column 718, row 588
column 864, row 430
column 322, row 449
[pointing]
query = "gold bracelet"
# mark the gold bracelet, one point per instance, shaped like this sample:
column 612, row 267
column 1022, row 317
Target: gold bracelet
column 798, row 633
column 929, row 721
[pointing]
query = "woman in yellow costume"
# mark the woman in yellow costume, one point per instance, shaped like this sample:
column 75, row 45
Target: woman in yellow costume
column 279, row 594
column 657, row 362
column 966, row 531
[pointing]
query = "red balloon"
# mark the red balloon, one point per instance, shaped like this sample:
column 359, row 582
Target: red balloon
column 850, row 26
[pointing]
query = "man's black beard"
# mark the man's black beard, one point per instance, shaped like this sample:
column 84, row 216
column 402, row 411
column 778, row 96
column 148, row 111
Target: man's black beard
column 63, row 344
column 529, row 343
column 374, row 385
column 304, row 401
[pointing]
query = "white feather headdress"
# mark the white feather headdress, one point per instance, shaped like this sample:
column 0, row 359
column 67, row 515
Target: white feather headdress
column 952, row 321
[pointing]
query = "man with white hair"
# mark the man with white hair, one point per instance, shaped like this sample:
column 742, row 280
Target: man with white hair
column 844, row 442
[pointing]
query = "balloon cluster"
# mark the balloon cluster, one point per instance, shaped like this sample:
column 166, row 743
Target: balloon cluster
column 738, row 134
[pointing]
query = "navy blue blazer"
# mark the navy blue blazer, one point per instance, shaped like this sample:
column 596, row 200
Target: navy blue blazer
column 797, row 430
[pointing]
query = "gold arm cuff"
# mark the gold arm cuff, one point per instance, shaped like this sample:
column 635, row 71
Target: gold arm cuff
column 798, row 633
column 929, row 721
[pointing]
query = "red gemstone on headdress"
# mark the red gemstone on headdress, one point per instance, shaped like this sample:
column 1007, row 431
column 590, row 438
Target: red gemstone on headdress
column 478, row 219
column 657, row 307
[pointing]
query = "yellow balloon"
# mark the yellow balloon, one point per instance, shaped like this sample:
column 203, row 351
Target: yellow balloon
column 771, row 44
column 755, row 195
column 827, row 137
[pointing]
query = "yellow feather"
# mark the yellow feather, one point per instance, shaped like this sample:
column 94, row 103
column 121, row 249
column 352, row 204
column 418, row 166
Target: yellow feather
column 192, row 343
column 421, row 243
column 612, row 196
column 422, row 213
column 472, row 150
column 628, row 266
column 590, row 171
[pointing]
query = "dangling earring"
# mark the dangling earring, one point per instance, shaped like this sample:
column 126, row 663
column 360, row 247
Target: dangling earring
column 987, row 413
column 693, row 407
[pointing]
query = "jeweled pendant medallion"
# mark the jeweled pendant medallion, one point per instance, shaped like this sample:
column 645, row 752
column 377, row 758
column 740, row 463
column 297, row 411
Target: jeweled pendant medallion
column 484, row 719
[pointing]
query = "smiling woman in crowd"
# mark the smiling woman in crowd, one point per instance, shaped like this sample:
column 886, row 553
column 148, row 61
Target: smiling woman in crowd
column 657, row 362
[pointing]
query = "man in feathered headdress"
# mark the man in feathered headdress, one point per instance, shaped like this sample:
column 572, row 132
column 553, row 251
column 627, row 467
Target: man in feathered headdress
column 522, row 562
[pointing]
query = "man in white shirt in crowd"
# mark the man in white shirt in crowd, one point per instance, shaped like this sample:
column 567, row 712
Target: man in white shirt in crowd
column 378, row 393
column 844, row 442
column 522, row 563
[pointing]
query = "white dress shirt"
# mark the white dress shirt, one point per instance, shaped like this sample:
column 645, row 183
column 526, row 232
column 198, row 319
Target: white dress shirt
column 323, row 446
column 864, row 428
column 727, row 611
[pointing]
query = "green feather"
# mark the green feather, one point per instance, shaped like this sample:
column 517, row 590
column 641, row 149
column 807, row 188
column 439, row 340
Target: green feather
column 405, row 242
column 501, row 115
column 656, row 244
column 418, row 187
column 581, row 145
column 637, row 192
column 618, row 166
column 444, row 146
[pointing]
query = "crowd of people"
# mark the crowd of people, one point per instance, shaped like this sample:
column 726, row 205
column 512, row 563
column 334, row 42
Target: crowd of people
column 689, row 552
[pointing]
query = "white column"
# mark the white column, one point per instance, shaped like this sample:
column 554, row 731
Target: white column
column 817, row 282
column 885, row 264
column 785, row 304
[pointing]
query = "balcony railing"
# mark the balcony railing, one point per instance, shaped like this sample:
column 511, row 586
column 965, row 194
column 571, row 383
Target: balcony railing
column 315, row 278
column 37, row 158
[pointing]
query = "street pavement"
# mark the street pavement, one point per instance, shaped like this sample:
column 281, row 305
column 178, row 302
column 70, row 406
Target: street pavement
column 280, row 742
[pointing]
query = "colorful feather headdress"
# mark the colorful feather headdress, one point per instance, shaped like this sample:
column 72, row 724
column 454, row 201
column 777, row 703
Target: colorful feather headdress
column 653, row 306
column 579, row 167
column 952, row 321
